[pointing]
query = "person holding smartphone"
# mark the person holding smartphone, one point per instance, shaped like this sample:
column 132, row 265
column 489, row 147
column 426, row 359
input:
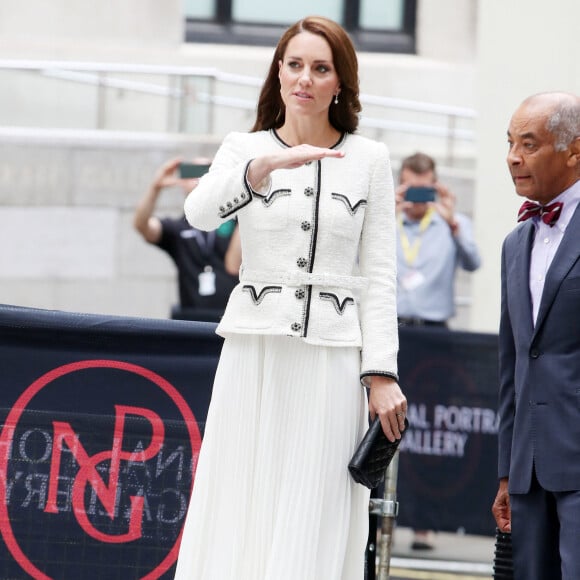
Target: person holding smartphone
column 207, row 263
column 433, row 241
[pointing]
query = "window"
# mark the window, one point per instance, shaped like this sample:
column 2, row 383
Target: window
column 374, row 25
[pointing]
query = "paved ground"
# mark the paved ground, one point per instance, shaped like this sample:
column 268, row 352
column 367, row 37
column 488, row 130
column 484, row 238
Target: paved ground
column 454, row 557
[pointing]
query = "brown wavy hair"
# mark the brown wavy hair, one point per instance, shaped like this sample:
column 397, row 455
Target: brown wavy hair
column 343, row 116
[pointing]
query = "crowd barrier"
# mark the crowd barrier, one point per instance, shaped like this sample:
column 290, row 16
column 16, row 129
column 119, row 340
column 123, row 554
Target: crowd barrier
column 102, row 419
column 448, row 460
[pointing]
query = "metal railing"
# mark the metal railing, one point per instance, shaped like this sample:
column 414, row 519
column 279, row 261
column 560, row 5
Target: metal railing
column 451, row 124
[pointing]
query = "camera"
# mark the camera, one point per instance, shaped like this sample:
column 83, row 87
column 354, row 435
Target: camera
column 192, row 170
column 420, row 194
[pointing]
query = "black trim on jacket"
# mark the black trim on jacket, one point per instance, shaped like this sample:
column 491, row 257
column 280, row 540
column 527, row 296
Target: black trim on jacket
column 352, row 209
column 334, row 299
column 393, row 376
column 258, row 297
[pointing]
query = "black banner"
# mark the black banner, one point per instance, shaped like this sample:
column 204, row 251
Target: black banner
column 102, row 422
column 102, row 419
column 448, row 460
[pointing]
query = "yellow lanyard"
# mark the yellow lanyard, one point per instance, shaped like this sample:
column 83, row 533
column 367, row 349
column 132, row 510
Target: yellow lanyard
column 411, row 252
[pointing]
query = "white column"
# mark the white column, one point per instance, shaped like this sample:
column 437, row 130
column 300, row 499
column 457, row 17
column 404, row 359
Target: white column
column 524, row 47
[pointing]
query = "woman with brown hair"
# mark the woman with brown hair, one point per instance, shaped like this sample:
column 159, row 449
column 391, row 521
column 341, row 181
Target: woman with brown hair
column 313, row 316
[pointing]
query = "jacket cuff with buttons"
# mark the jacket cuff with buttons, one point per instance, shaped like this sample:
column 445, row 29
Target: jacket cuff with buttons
column 223, row 191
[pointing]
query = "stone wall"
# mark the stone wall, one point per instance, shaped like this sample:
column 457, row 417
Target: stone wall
column 66, row 232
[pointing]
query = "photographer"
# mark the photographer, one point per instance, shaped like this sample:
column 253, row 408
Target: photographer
column 206, row 265
column 433, row 241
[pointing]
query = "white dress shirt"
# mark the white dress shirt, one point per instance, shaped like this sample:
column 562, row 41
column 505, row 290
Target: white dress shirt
column 546, row 242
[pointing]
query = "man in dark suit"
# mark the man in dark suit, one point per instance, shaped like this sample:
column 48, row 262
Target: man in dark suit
column 539, row 344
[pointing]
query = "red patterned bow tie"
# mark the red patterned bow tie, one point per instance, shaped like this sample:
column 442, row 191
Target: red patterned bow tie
column 548, row 213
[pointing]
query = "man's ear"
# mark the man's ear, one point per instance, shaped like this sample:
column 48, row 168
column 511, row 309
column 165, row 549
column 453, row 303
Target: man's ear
column 574, row 157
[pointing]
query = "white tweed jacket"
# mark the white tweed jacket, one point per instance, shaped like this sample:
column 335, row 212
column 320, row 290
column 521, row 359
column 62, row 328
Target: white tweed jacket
column 318, row 246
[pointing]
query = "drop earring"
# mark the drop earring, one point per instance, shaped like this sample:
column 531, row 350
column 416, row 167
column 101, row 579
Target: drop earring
column 336, row 99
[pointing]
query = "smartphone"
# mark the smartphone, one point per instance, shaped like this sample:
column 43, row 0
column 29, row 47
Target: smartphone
column 420, row 194
column 192, row 170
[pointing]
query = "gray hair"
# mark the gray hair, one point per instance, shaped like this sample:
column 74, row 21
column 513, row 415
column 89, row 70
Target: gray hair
column 564, row 122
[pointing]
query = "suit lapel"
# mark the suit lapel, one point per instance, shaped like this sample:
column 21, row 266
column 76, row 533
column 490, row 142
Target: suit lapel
column 566, row 256
column 521, row 269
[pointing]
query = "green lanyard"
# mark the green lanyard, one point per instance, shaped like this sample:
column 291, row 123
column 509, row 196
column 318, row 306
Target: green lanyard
column 411, row 252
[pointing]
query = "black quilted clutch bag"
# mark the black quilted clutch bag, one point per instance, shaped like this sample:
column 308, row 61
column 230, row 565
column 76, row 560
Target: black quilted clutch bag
column 373, row 455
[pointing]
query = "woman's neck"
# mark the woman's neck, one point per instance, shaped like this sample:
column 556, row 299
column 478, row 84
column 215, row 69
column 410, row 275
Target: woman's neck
column 321, row 134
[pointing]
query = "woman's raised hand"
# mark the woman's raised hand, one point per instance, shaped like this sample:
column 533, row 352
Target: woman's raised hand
column 290, row 158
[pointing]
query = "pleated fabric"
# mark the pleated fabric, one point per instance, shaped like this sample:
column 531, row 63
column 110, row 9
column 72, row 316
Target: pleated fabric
column 272, row 498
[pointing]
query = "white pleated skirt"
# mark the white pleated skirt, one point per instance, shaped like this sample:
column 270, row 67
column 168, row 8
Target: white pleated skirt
column 272, row 498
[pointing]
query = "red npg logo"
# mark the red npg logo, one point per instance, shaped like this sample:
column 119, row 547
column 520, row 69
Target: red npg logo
column 113, row 486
